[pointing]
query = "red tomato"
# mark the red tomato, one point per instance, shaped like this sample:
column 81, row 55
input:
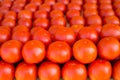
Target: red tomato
column 104, row 6
column 65, row 34
column 90, row 12
column 6, row 71
column 11, row 51
column 58, row 21
column 50, row 2
column 100, row 70
column 56, row 13
column 116, row 70
column 6, row 3
column 31, row 7
column 20, row 3
column 88, row 33
column 88, row 6
column 36, row 2
column 20, row 28
column 116, row 5
column 107, row 12
column 74, row 70
column 11, row 14
column 26, row 71
column 72, row 13
column 118, row 12
column 45, row 7
column 35, row 29
column 77, row 20
column 49, row 71
column 91, row 1
column 33, row 51
column 25, row 14
column 64, row 1
column 111, row 20
column 59, row 52
column 8, row 22
column 105, row 1
column 59, row 6
column 4, row 10
column 42, row 35
column 16, row 8
column 108, row 48
column 25, row 22
column 1, row 16
column 97, row 27
column 80, row 2
column 41, row 14
column 84, row 51
column 73, row 6
column 110, row 30
column 41, row 22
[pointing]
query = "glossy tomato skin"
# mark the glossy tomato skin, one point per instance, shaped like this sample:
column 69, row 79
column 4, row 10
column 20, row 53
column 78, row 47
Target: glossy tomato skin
column 33, row 51
column 88, row 6
column 90, row 12
column 105, row 1
column 73, row 6
column 49, row 71
column 91, row 1
column 31, row 7
column 41, row 14
column 108, row 45
column 25, row 14
column 45, row 7
column 84, row 51
column 11, row 15
column 7, row 71
column 74, row 70
column 100, row 70
column 88, row 33
column 105, row 6
column 97, row 27
column 20, row 28
column 50, row 2
column 80, row 2
column 59, row 52
column 66, row 2
column 11, row 51
column 116, row 70
column 36, row 2
column 26, row 71
column 8, row 22
column 55, row 13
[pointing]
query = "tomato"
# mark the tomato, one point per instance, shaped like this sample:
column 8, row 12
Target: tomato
column 116, row 5
column 107, row 12
column 50, row 2
column 59, row 6
column 4, row 35
column 6, row 3
column 97, row 27
column 33, row 51
column 49, row 71
column 64, row 1
column 100, row 70
column 90, row 12
column 77, row 20
column 20, row 3
column 118, row 12
column 88, row 33
column 73, row 6
column 110, row 30
column 111, row 20
column 80, row 2
column 36, row 2
column 45, row 7
column 6, row 71
column 41, row 14
column 8, row 22
column 41, row 22
column 6, row 27
column 105, row 1
column 11, row 51
column 42, row 35
column 31, row 7
column 108, row 48
column 116, row 70
column 65, row 34
column 20, row 28
column 59, row 52
column 35, row 29
column 25, row 22
column 16, row 8
column 11, row 14
column 26, row 71
column 25, row 14
column 104, row 6
column 72, row 13
column 58, row 21
column 84, row 51
column 91, row 1
column 56, row 13
column 74, row 70
column 1, row 16
column 4, row 10
column 94, row 19
column 88, row 6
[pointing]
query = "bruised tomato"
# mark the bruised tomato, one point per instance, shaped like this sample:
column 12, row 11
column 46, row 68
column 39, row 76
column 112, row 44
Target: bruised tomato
column 100, row 70
column 55, row 13
column 36, row 51
column 25, row 14
column 84, row 51
column 41, row 14
column 59, row 52
column 26, row 71
column 49, row 71
column 11, row 51
column 45, row 7
column 74, row 70
column 73, row 6
column 108, row 48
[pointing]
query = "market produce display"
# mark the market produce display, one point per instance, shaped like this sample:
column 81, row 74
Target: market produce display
column 59, row 39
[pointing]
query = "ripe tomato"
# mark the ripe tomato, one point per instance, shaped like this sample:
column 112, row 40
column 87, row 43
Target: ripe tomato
column 110, row 30
column 6, row 3
column 58, row 21
column 105, row 1
column 84, row 51
column 41, row 14
column 11, row 51
column 50, row 2
column 16, row 8
column 116, row 70
column 97, row 27
column 8, row 22
column 25, row 14
column 73, row 6
column 104, row 6
column 65, row 34
column 45, row 7
column 49, row 71
column 31, row 7
column 107, row 12
column 35, row 29
column 6, row 71
column 76, row 28
column 11, row 14
column 77, row 20
column 116, row 5
column 90, row 12
column 56, row 13
column 100, row 70
column 59, row 52
column 20, row 3
column 80, row 2
column 33, row 51
column 41, row 22
column 118, row 12
column 36, row 2
column 94, row 19
column 20, row 28
column 88, row 33
column 108, row 48
column 64, row 1
column 26, row 71
column 91, row 1
column 111, row 20
column 88, row 6
column 74, row 70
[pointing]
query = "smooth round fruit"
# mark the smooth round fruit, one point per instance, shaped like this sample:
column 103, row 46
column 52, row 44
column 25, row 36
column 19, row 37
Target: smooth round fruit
column 107, row 12
column 56, row 13
column 97, row 27
column 41, row 14
column 88, row 6
column 90, row 12
column 20, row 28
column 45, row 7
column 64, row 1
column 31, row 7
column 50, row 2
column 8, row 22
column 25, row 14
column 80, row 2
column 11, row 15
column 105, row 6
column 73, row 6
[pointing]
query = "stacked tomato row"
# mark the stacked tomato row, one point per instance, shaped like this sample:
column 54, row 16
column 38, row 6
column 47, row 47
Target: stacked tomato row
column 54, row 39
